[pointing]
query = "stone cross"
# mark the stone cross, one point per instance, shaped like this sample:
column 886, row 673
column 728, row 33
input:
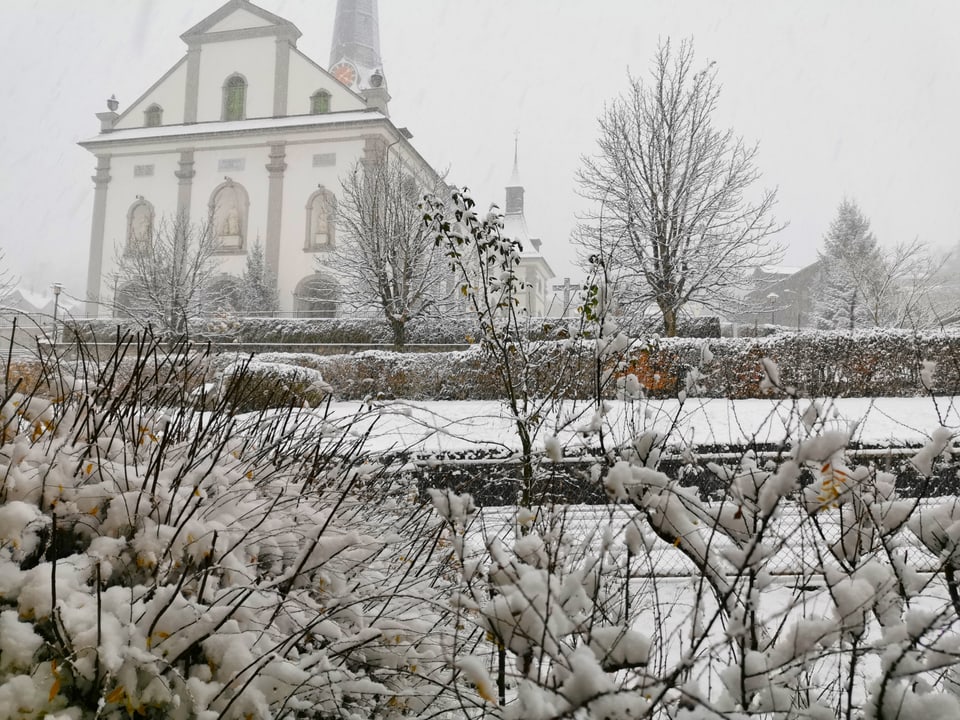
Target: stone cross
column 568, row 289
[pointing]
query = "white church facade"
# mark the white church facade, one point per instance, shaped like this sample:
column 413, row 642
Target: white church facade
column 248, row 136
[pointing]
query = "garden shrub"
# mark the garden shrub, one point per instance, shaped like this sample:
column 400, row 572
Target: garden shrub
column 164, row 562
column 259, row 384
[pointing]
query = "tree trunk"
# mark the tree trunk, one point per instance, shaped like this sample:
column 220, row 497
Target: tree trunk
column 399, row 328
column 669, row 322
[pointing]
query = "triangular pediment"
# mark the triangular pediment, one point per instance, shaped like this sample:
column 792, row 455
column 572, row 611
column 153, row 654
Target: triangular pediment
column 240, row 15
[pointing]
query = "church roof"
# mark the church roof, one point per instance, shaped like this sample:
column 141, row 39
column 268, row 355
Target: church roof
column 205, row 26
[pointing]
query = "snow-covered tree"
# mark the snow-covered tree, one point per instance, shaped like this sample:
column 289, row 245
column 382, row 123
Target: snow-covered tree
column 258, row 287
column 849, row 259
column 163, row 279
column 863, row 284
column 677, row 211
column 908, row 290
column 386, row 257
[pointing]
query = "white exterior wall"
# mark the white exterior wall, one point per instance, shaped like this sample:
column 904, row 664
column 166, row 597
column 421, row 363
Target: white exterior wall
column 238, row 20
column 254, row 180
column 301, row 180
column 254, row 58
column 160, row 190
column 306, row 79
column 169, row 95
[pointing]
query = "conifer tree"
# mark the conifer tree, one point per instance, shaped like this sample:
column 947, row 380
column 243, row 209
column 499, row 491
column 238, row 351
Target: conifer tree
column 258, row 288
column 850, row 258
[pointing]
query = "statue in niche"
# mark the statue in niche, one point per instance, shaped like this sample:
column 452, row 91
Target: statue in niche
column 322, row 217
column 226, row 217
column 141, row 222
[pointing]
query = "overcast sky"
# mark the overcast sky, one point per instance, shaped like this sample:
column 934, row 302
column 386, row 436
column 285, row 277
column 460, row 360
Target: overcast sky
column 845, row 98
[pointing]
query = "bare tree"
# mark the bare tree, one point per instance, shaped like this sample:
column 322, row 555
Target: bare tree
column 906, row 292
column 387, row 256
column 676, row 215
column 163, row 276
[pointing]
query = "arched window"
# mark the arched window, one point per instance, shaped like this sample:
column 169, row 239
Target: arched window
column 321, row 221
column 140, row 218
column 320, row 102
column 235, row 98
column 153, row 116
column 317, row 296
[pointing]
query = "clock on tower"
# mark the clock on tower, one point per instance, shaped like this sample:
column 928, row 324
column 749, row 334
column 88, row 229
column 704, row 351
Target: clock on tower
column 345, row 73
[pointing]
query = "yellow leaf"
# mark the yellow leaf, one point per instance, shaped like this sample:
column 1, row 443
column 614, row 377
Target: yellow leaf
column 116, row 695
column 54, row 689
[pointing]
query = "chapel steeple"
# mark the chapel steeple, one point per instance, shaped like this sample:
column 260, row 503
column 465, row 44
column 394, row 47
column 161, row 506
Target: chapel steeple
column 515, row 187
column 355, row 51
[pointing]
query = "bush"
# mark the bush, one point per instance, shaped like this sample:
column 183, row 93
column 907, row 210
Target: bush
column 160, row 561
column 814, row 365
column 259, row 385
column 348, row 331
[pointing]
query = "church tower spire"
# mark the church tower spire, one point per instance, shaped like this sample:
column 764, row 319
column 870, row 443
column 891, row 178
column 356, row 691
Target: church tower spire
column 515, row 187
column 355, row 51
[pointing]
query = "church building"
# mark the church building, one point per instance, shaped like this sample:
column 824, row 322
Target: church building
column 249, row 137
column 534, row 269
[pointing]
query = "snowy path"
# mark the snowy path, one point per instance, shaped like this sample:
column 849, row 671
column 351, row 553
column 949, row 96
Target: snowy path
column 452, row 426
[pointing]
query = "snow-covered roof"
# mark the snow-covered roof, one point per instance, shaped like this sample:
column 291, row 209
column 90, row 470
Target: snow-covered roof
column 291, row 122
column 515, row 227
column 780, row 269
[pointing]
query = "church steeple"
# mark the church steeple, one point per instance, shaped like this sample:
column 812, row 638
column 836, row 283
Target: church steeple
column 515, row 187
column 355, row 51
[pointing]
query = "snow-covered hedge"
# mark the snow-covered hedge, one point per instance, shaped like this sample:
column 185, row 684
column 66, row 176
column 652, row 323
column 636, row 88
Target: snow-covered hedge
column 826, row 364
column 888, row 364
column 260, row 384
column 451, row 330
column 461, row 375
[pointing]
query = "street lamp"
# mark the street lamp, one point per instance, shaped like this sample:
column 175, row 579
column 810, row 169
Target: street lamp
column 57, row 287
column 773, row 297
column 796, row 299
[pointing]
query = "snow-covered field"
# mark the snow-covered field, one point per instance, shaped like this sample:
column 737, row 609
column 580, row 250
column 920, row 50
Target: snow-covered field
column 452, row 426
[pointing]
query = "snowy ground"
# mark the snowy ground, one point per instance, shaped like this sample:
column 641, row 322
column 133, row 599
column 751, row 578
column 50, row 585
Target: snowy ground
column 460, row 425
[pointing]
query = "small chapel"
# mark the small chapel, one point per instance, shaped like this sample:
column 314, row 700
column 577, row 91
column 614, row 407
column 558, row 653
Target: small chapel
column 250, row 137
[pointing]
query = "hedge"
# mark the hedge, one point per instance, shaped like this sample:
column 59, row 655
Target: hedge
column 866, row 364
column 453, row 330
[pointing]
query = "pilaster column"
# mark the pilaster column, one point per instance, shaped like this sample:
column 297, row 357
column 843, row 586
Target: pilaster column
column 185, row 177
column 275, row 168
column 95, row 269
column 192, row 96
column 281, row 77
